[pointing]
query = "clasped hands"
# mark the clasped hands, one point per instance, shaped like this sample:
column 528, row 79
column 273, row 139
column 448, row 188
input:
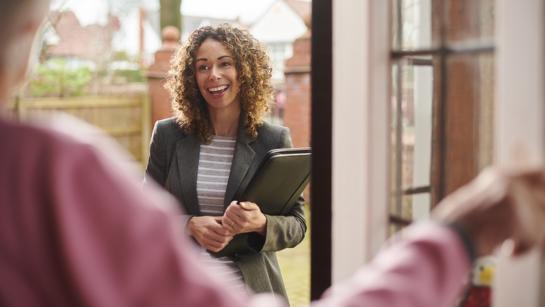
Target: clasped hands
column 215, row 232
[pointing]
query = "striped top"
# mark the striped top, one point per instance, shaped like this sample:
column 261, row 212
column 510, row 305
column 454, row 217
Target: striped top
column 212, row 176
column 214, row 168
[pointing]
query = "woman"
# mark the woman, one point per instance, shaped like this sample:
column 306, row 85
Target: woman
column 207, row 154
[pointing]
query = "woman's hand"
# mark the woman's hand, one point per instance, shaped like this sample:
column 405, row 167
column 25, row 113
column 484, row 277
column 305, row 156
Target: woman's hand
column 209, row 232
column 241, row 217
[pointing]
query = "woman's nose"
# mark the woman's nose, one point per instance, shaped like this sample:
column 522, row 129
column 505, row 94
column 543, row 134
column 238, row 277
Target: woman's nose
column 214, row 73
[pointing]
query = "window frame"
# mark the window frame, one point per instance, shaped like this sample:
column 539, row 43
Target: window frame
column 520, row 122
column 321, row 140
column 439, row 186
column 348, row 130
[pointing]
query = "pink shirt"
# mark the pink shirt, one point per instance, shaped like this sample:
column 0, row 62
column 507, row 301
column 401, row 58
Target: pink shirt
column 75, row 230
column 427, row 268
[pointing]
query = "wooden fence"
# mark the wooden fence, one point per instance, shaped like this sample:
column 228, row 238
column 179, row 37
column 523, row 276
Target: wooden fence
column 125, row 118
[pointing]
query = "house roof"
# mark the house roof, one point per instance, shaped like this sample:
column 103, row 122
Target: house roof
column 74, row 40
column 279, row 24
column 303, row 8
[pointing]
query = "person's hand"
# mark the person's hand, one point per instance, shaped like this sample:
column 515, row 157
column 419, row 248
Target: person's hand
column 241, row 217
column 497, row 205
column 209, row 232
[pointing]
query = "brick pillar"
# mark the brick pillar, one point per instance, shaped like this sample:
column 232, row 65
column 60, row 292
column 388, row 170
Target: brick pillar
column 297, row 108
column 160, row 98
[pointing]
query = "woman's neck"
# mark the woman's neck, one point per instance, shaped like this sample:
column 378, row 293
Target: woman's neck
column 225, row 121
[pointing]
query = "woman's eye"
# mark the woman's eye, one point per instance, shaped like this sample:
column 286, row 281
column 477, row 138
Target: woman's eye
column 226, row 64
column 202, row 67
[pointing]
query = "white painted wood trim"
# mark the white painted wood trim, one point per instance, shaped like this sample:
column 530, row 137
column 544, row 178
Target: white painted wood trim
column 519, row 128
column 360, row 132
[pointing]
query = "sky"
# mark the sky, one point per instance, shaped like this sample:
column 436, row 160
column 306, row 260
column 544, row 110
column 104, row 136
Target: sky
column 95, row 11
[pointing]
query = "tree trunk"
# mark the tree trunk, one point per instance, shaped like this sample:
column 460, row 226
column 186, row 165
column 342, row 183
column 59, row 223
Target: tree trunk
column 170, row 14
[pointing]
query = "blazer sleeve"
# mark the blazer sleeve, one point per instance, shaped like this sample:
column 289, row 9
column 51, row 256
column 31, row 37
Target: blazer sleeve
column 288, row 230
column 157, row 162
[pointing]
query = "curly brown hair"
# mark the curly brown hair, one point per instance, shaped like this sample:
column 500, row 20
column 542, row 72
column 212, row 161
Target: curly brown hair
column 254, row 75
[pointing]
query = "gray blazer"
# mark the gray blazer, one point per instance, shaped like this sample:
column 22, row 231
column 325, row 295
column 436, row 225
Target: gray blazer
column 173, row 163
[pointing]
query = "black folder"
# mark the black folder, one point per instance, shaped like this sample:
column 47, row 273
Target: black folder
column 277, row 184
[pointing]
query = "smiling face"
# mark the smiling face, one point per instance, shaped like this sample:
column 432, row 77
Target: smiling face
column 217, row 76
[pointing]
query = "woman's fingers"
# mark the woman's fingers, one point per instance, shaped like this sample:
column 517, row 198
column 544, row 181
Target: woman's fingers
column 233, row 223
column 215, row 241
column 227, row 225
column 234, row 218
column 215, row 237
column 249, row 206
column 215, row 245
column 241, row 217
column 209, row 232
column 231, row 226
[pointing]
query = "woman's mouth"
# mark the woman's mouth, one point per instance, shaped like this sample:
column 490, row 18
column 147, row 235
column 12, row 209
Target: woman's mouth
column 217, row 90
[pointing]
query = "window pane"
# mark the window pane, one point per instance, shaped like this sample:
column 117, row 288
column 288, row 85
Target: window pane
column 411, row 133
column 412, row 119
column 412, row 24
column 421, row 206
column 413, row 208
column 417, row 121
column 469, row 21
column 417, row 23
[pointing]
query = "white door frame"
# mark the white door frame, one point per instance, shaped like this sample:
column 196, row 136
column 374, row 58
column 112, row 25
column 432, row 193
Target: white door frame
column 360, row 124
column 519, row 128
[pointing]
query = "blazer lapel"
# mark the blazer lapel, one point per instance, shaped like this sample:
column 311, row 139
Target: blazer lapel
column 243, row 158
column 187, row 151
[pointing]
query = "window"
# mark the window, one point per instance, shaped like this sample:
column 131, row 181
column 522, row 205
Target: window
column 442, row 101
column 279, row 52
column 459, row 132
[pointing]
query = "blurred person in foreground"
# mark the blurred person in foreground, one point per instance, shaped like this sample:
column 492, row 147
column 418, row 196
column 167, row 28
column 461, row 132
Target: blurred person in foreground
column 76, row 231
column 220, row 84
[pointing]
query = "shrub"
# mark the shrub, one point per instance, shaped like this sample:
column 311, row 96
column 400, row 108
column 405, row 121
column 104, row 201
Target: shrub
column 59, row 77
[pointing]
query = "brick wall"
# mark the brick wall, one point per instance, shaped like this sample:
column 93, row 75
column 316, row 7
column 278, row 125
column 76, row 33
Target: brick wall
column 297, row 109
column 160, row 97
